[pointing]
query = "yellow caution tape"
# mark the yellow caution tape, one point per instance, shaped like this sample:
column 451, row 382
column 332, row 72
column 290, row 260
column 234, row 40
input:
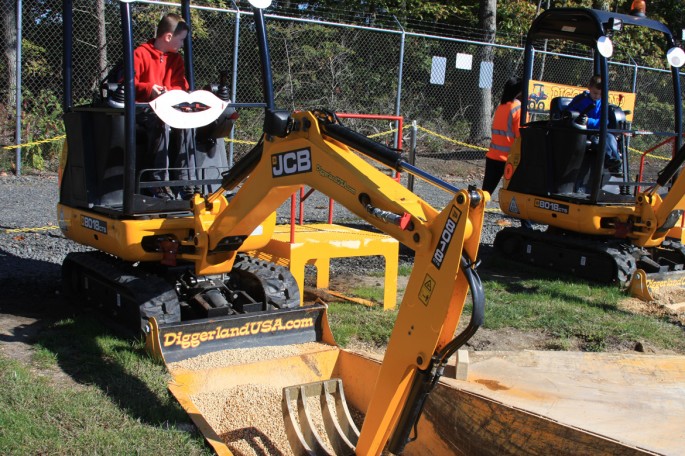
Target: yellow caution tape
column 453, row 141
column 29, row 230
column 639, row 152
column 35, row 143
column 240, row 141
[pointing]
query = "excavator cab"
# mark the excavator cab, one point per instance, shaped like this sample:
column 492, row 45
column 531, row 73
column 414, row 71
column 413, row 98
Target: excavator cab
column 561, row 157
column 107, row 165
column 601, row 223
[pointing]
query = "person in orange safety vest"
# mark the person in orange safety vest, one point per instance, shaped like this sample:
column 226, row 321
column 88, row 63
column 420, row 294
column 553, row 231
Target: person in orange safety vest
column 505, row 129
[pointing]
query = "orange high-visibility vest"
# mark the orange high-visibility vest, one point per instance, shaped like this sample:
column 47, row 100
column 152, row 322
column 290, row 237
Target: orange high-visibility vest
column 505, row 129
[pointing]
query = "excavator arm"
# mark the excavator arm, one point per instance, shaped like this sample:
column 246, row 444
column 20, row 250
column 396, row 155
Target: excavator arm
column 664, row 212
column 445, row 244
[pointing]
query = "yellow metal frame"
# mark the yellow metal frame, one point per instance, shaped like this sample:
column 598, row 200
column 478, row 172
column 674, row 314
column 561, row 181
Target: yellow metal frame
column 317, row 243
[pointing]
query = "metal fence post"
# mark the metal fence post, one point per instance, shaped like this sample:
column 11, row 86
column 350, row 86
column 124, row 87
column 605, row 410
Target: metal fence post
column 398, row 135
column 412, row 153
column 234, row 78
column 18, row 89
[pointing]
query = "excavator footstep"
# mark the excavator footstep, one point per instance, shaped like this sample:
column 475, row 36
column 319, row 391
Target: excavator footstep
column 303, row 424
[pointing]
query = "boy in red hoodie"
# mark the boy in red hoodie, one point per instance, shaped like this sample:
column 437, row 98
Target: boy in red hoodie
column 158, row 68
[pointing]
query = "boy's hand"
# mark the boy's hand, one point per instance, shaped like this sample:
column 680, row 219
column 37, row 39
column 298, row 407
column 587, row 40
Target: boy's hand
column 157, row 90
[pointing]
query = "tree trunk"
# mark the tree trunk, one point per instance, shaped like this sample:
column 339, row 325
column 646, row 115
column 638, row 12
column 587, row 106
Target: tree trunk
column 487, row 15
column 102, row 40
column 9, row 8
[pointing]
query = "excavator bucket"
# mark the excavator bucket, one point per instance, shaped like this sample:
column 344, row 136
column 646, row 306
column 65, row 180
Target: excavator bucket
column 235, row 376
column 656, row 286
column 299, row 412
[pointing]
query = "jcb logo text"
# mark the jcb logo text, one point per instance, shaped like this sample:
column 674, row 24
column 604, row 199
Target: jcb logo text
column 294, row 162
column 446, row 237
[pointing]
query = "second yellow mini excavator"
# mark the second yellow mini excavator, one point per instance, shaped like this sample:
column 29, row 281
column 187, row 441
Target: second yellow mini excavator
column 609, row 225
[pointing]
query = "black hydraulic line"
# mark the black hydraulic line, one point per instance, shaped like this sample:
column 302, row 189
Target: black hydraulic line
column 129, row 109
column 242, row 168
column 477, row 313
column 188, row 45
column 425, row 380
column 423, row 384
column 671, row 168
column 381, row 153
column 67, row 64
column 367, row 146
column 265, row 58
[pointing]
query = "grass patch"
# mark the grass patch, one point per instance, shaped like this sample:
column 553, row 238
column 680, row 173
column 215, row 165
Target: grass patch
column 573, row 309
column 372, row 293
column 354, row 321
column 572, row 312
column 121, row 407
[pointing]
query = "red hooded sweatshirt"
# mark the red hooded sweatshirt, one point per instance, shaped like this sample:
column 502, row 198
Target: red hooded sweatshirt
column 153, row 66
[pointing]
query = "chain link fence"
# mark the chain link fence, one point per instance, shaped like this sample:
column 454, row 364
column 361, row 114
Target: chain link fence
column 448, row 86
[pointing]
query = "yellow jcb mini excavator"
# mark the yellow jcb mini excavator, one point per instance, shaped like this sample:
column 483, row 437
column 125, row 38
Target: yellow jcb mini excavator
column 603, row 224
column 175, row 268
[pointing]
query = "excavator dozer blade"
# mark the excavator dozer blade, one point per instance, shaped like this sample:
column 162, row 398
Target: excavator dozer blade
column 654, row 286
column 300, row 415
column 180, row 341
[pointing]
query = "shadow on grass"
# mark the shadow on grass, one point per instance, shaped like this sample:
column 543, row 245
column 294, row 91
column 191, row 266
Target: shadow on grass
column 89, row 352
column 516, row 278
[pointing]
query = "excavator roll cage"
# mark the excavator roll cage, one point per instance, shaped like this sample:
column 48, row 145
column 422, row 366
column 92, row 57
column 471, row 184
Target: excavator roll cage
column 557, row 149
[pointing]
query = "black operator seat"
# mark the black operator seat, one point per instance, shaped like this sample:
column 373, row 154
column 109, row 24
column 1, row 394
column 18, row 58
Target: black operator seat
column 568, row 145
column 557, row 106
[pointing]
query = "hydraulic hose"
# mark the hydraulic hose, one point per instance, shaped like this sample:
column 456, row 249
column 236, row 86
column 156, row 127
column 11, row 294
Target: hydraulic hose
column 425, row 380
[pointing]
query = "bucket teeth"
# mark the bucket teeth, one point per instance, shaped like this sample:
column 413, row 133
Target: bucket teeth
column 302, row 433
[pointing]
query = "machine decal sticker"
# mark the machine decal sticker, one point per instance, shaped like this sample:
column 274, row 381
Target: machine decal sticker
column 426, row 289
column 94, row 224
column 293, row 162
column 446, row 237
column 194, row 339
column 337, row 180
column 513, row 207
column 551, row 206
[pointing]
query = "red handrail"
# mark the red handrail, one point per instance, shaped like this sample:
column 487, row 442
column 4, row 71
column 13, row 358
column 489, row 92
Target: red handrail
column 649, row 151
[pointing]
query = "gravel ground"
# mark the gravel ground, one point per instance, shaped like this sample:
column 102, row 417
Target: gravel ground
column 28, row 202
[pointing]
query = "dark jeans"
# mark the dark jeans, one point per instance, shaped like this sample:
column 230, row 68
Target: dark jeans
column 494, row 169
column 170, row 152
column 611, row 146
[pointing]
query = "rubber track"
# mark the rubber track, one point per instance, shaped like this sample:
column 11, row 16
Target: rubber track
column 143, row 295
column 265, row 280
column 510, row 243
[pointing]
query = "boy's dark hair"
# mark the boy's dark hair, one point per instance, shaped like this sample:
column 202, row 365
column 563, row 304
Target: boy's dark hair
column 171, row 23
column 595, row 82
column 511, row 89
